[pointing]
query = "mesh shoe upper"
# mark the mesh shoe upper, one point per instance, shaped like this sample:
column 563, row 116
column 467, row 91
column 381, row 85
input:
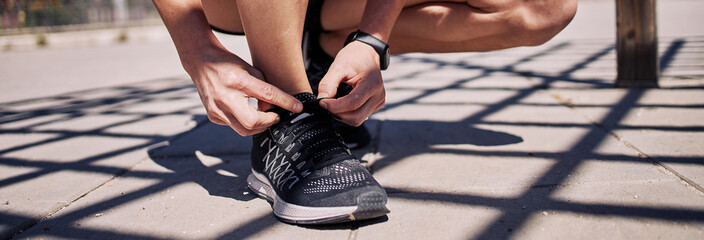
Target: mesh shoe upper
column 306, row 161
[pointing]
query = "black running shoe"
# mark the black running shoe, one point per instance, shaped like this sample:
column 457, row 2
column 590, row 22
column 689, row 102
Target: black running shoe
column 302, row 166
column 317, row 63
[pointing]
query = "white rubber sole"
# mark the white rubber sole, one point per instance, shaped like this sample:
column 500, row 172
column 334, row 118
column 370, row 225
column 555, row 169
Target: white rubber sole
column 370, row 206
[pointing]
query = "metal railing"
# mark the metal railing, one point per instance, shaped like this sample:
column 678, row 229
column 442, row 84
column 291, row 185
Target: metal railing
column 28, row 16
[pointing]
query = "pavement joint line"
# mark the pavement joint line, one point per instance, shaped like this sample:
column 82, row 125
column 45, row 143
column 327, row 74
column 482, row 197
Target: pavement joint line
column 354, row 230
column 78, row 162
column 661, row 166
column 64, row 205
column 122, row 196
column 34, row 221
column 555, row 171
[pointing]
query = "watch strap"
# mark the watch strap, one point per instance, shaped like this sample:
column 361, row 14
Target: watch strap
column 379, row 46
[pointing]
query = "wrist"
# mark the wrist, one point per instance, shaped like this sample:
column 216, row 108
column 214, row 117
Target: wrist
column 365, row 49
column 195, row 55
column 379, row 46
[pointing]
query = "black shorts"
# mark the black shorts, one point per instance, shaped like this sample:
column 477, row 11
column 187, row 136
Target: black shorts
column 312, row 18
column 225, row 31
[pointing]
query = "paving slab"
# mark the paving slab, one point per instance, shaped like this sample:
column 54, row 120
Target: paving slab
column 446, row 220
column 510, row 155
column 176, row 198
column 497, row 145
column 208, row 138
column 663, row 124
column 614, row 209
column 54, row 152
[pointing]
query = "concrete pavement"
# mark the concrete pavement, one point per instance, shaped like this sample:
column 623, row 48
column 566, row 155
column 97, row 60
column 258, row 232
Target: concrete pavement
column 526, row 143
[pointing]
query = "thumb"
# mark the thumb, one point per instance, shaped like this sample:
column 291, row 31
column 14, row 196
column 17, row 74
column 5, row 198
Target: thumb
column 327, row 88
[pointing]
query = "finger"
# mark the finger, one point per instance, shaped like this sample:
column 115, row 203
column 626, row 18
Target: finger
column 357, row 97
column 250, row 118
column 242, row 131
column 216, row 120
column 327, row 88
column 263, row 91
column 220, row 118
column 245, row 133
column 216, row 116
column 378, row 107
column 246, row 116
column 357, row 117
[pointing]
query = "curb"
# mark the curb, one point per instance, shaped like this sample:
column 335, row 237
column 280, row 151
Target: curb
column 84, row 38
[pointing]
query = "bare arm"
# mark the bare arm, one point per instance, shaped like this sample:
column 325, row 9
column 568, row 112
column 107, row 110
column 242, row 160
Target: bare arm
column 224, row 80
column 357, row 64
column 379, row 17
column 188, row 28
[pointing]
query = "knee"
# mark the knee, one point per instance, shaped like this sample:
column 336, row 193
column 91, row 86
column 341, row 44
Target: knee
column 535, row 24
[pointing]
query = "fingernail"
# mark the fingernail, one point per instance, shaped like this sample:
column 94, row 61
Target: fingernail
column 298, row 107
column 322, row 95
column 324, row 104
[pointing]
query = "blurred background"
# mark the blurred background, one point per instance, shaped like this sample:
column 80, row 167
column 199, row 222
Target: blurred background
column 22, row 16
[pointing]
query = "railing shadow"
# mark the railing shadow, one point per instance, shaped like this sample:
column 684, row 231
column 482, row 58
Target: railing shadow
column 183, row 157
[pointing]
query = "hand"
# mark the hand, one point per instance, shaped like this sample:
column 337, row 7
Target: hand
column 225, row 82
column 357, row 64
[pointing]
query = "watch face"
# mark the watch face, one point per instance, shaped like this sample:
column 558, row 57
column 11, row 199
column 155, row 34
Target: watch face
column 387, row 59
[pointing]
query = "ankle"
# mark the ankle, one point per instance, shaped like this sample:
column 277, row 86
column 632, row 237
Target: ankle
column 292, row 87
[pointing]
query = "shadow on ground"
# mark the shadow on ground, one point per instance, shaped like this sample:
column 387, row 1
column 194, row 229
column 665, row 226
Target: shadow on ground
column 183, row 156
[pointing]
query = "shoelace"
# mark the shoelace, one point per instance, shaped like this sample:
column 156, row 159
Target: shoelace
column 313, row 128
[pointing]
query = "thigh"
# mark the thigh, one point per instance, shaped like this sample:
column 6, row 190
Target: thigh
column 346, row 14
column 223, row 15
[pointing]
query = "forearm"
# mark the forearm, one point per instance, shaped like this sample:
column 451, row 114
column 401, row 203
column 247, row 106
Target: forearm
column 358, row 64
column 379, row 17
column 188, row 28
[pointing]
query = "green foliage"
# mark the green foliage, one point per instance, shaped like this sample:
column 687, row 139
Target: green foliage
column 123, row 37
column 41, row 40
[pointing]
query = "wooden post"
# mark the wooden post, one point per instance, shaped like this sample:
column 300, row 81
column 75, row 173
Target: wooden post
column 636, row 44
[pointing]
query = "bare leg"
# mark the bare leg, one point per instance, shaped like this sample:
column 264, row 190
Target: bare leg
column 456, row 26
column 223, row 14
column 443, row 26
column 274, row 41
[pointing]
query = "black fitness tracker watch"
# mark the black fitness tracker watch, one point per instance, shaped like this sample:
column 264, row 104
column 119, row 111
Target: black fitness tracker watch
column 379, row 46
